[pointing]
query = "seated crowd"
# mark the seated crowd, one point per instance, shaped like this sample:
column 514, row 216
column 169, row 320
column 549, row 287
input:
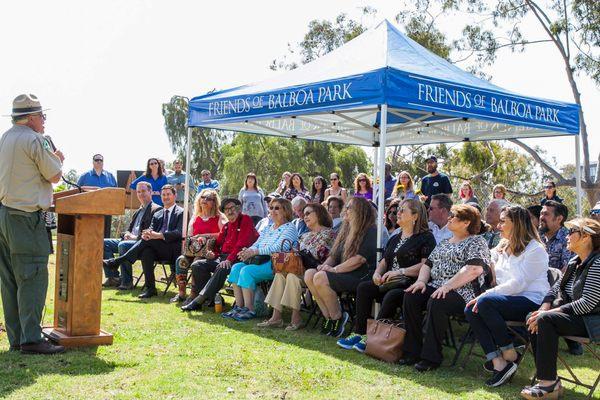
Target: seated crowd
column 439, row 260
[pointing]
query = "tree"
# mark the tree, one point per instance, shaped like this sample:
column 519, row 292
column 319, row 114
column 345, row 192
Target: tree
column 269, row 157
column 206, row 143
column 572, row 29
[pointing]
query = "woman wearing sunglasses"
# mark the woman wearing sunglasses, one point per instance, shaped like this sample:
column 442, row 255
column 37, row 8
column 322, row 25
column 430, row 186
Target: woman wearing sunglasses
column 550, row 193
column 286, row 290
column 255, row 265
column 571, row 308
column 154, row 176
column 363, row 187
column 336, row 189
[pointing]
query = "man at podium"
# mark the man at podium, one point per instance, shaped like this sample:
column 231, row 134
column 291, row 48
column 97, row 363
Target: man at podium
column 28, row 167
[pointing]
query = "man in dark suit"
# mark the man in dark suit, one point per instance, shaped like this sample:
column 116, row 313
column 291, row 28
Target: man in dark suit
column 139, row 222
column 160, row 242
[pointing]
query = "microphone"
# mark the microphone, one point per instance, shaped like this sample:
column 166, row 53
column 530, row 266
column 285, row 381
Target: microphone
column 53, row 147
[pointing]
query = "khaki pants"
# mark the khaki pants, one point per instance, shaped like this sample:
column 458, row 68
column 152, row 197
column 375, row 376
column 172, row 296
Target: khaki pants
column 24, row 251
column 286, row 291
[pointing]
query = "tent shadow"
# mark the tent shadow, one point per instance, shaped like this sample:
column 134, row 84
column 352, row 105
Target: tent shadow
column 450, row 380
column 19, row 371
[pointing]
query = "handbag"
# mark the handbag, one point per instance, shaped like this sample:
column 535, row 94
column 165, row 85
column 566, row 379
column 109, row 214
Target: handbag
column 194, row 249
column 385, row 339
column 288, row 262
column 257, row 260
column 308, row 259
column 395, row 283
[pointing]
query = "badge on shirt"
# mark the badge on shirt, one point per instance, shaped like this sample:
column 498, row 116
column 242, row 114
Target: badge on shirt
column 46, row 145
column 435, row 184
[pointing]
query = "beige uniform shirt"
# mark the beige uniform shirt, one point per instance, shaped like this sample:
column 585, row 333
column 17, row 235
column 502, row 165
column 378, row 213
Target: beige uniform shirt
column 26, row 165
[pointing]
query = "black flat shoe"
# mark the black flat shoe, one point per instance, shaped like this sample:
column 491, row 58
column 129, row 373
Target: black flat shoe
column 408, row 361
column 43, row 347
column 424, row 366
column 192, row 306
column 148, row 293
column 176, row 299
column 501, row 377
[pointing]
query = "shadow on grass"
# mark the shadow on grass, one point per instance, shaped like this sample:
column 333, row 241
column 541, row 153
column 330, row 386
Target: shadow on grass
column 451, row 380
column 19, row 371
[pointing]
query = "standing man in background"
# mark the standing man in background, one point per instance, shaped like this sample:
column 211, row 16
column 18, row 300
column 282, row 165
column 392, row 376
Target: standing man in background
column 177, row 179
column 207, row 182
column 28, row 167
column 434, row 182
column 97, row 178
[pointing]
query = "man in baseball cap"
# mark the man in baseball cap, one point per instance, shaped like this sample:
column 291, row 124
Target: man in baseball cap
column 434, row 182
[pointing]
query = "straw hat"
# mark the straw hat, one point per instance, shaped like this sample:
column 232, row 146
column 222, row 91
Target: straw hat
column 25, row 104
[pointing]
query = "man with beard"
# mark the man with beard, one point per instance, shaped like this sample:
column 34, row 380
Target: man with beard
column 554, row 235
column 435, row 182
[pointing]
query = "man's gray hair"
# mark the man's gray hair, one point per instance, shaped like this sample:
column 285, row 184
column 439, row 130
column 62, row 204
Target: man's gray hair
column 500, row 202
column 298, row 201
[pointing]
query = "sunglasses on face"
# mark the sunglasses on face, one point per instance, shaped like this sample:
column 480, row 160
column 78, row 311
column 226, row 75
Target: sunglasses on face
column 307, row 213
column 98, row 160
column 451, row 215
column 362, row 180
column 153, row 163
column 207, row 197
column 333, row 179
column 276, row 208
column 230, row 208
column 548, row 187
column 393, row 211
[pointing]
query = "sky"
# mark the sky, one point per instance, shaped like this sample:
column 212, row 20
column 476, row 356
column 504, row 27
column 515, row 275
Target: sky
column 105, row 68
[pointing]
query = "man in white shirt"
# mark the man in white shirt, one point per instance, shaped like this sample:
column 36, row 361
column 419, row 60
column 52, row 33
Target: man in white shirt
column 439, row 209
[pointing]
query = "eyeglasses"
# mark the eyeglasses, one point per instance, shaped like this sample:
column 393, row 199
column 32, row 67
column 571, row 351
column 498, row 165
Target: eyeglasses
column 548, row 187
column 582, row 229
column 153, row 163
column 595, row 212
column 333, row 179
column 307, row 213
column 362, row 180
column 276, row 208
column 451, row 215
column 42, row 116
column 230, row 208
column 393, row 211
column 205, row 197
column 98, row 160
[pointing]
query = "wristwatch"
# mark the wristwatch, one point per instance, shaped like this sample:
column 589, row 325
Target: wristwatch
column 402, row 271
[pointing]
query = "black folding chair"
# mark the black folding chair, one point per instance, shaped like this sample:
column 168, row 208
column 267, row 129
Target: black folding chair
column 168, row 278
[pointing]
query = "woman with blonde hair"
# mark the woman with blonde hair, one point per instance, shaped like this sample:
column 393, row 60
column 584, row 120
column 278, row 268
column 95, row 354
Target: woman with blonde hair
column 363, row 186
column 404, row 188
column 520, row 267
column 206, row 223
column 352, row 260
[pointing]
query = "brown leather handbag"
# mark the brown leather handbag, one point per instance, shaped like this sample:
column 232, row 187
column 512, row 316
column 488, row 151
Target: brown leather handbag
column 288, row 262
column 385, row 339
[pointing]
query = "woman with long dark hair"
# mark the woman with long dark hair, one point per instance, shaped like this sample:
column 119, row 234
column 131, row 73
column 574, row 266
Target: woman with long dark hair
column 351, row 261
column 319, row 186
column 154, row 176
column 296, row 188
column 520, row 267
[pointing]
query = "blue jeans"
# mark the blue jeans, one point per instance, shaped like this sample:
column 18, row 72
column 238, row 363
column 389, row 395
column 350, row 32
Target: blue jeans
column 112, row 246
column 489, row 322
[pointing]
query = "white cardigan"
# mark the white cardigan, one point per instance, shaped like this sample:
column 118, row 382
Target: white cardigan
column 524, row 275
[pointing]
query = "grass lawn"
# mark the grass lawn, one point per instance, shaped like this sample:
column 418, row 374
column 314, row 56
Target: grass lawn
column 160, row 352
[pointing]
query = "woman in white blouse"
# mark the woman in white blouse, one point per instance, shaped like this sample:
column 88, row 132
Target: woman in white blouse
column 520, row 265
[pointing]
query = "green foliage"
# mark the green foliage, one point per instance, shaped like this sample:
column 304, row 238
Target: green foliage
column 71, row 176
column 206, row 143
column 269, row 157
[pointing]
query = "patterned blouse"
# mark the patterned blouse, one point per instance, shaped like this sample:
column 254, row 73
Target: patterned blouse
column 318, row 243
column 448, row 258
column 290, row 193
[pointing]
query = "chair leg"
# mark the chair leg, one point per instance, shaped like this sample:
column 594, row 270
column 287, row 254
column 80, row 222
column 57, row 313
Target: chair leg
column 461, row 345
column 168, row 278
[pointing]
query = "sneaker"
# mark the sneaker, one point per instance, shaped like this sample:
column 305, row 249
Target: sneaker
column 489, row 365
column 233, row 311
column 326, row 327
column 244, row 316
column 339, row 325
column 361, row 346
column 349, row 342
column 501, row 377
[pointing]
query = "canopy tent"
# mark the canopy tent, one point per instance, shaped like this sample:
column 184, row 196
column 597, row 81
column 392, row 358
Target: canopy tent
column 382, row 89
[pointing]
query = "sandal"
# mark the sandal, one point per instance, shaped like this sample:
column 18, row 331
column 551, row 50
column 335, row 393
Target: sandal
column 554, row 391
column 293, row 327
column 270, row 324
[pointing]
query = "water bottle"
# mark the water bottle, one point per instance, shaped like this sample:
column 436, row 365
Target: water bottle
column 218, row 303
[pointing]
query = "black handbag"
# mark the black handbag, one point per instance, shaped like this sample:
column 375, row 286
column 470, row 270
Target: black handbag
column 308, row 259
column 257, row 260
column 402, row 281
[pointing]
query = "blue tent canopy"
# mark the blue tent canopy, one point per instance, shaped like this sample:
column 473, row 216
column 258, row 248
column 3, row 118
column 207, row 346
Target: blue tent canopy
column 337, row 98
column 382, row 89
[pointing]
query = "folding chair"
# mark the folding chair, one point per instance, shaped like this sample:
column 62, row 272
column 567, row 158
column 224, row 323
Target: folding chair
column 574, row 378
column 168, row 279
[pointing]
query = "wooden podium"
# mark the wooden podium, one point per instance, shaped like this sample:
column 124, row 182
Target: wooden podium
column 79, row 250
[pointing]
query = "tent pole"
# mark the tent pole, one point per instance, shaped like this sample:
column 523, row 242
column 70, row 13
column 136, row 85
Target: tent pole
column 375, row 168
column 578, row 174
column 381, row 191
column 186, row 195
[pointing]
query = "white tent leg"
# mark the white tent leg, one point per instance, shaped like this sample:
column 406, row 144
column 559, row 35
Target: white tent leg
column 381, row 191
column 578, row 174
column 186, row 192
column 375, row 169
